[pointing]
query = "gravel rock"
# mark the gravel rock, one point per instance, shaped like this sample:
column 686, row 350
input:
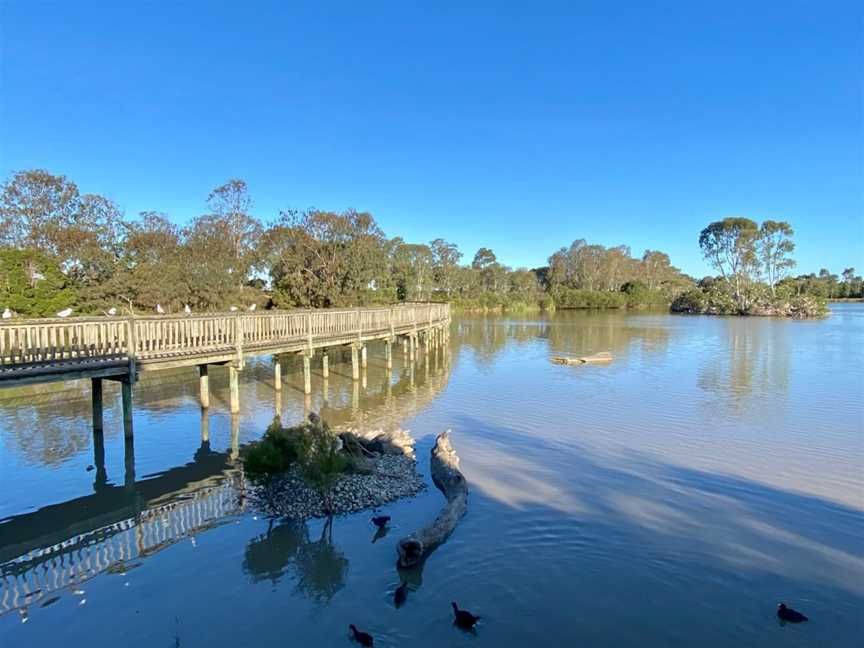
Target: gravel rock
column 394, row 476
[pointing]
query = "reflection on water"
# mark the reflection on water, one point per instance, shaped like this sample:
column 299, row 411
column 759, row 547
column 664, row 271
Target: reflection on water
column 671, row 497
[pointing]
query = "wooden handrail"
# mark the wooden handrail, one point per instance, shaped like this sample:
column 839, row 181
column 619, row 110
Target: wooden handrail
column 37, row 341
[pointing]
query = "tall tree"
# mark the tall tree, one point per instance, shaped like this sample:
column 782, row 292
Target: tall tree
column 729, row 246
column 445, row 260
column 230, row 206
column 656, row 267
column 774, row 247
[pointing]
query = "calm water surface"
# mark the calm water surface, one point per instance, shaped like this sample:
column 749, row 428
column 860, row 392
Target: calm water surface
column 670, row 498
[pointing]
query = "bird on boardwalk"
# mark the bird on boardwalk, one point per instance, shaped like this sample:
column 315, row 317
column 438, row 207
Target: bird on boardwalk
column 788, row 614
column 7, row 314
column 381, row 521
column 159, row 309
column 363, row 638
column 464, row 619
column 111, row 311
column 253, row 307
column 233, row 308
column 186, row 309
column 400, row 595
column 66, row 312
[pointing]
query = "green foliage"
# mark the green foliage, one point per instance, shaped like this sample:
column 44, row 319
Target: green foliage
column 276, row 451
column 313, row 447
column 576, row 298
column 31, row 284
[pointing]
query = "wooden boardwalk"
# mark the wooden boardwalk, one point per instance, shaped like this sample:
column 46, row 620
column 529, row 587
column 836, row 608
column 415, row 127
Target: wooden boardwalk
column 116, row 348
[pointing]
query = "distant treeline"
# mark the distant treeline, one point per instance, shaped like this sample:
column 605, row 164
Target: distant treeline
column 61, row 248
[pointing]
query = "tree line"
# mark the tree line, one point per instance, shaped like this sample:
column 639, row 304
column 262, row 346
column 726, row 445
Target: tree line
column 63, row 248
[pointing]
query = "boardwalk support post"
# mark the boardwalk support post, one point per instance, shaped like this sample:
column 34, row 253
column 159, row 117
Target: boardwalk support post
column 277, row 374
column 363, row 362
column 204, row 385
column 355, row 368
column 388, row 354
column 96, row 393
column 234, row 386
column 126, row 391
column 325, row 365
column 307, row 372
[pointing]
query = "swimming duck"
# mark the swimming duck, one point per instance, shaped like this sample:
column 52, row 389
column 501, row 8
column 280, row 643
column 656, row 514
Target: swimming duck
column 464, row 619
column 363, row 638
column 788, row 614
column 381, row 521
column 66, row 312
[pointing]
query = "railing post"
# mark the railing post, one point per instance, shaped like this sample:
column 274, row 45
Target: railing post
column 132, row 344
column 238, row 339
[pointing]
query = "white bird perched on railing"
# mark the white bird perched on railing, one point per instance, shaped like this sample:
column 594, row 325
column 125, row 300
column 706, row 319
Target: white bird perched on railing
column 252, row 307
column 233, row 308
column 159, row 309
column 66, row 312
column 111, row 311
column 186, row 309
column 7, row 314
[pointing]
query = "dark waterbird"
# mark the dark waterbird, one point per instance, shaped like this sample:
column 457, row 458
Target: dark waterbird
column 788, row 614
column 363, row 638
column 381, row 521
column 464, row 619
column 400, row 595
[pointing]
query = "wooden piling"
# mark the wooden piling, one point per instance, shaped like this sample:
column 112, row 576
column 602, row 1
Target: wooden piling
column 307, row 373
column 355, row 368
column 277, row 374
column 204, row 385
column 325, row 365
column 126, row 391
column 234, row 387
column 96, row 394
column 363, row 362
column 388, row 354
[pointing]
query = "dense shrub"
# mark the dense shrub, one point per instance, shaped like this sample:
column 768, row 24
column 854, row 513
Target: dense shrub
column 577, row 298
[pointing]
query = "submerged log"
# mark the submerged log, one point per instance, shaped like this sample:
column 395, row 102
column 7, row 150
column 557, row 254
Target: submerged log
column 597, row 358
column 414, row 549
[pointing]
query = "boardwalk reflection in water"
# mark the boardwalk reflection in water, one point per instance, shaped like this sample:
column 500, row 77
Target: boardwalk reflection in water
column 59, row 547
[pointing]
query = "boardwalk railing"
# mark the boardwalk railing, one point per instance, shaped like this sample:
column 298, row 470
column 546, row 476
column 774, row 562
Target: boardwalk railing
column 56, row 340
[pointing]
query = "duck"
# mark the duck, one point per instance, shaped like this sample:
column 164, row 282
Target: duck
column 464, row 619
column 253, row 307
column 186, row 309
column 381, row 521
column 400, row 595
column 111, row 311
column 159, row 309
column 7, row 314
column 363, row 638
column 788, row 614
column 66, row 312
column 232, row 308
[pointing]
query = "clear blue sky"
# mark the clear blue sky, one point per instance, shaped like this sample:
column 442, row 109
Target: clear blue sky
column 520, row 128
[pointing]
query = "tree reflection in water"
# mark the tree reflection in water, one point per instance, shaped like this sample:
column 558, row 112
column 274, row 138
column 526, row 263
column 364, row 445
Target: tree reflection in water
column 318, row 568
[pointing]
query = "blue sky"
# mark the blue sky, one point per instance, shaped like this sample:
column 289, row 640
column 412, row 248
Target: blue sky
column 519, row 127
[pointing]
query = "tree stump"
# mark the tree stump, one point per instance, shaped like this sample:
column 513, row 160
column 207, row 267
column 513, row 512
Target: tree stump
column 414, row 549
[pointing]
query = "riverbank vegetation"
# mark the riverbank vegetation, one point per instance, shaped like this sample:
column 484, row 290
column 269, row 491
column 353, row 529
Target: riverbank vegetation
column 60, row 248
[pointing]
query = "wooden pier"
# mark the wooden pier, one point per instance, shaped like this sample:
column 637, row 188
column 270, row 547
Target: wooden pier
column 112, row 348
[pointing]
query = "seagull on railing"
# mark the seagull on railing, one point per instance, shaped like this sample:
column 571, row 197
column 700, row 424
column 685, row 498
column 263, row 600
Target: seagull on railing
column 111, row 311
column 233, row 308
column 7, row 314
column 186, row 309
column 66, row 312
column 252, row 307
column 159, row 309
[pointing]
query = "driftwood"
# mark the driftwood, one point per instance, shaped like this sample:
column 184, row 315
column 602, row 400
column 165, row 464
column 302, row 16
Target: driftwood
column 414, row 549
column 597, row 358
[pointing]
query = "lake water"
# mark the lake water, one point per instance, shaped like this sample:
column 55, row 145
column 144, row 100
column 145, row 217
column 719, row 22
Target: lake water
column 673, row 497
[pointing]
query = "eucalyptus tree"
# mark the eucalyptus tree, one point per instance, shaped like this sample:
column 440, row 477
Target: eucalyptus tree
column 729, row 245
column 774, row 247
column 230, row 206
column 445, row 262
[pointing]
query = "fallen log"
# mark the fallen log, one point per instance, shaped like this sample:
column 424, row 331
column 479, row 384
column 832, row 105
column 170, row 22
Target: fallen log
column 415, row 548
column 597, row 358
